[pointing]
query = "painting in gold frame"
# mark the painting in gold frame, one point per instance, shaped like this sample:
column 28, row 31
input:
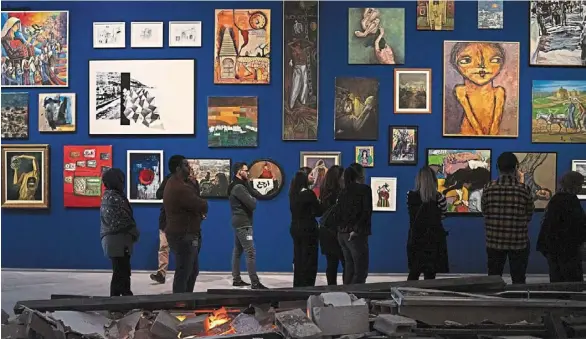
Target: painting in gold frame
column 25, row 176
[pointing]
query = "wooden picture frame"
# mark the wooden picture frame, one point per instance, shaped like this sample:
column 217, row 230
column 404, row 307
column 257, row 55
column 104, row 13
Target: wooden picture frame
column 407, row 155
column 407, row 90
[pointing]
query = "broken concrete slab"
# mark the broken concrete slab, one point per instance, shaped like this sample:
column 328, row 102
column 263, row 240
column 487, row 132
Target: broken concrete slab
column 350, row 316
column 5, row 317
column 246, row 324
column 336, row 299
column 360, row 335
column 295, row 324
column 193, row 325
column 14, row 331
column 127, row 325
column 394, row 325
column 165, row 325
column 89, row 324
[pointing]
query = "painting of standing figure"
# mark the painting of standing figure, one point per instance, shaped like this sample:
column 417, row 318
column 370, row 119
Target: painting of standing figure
column 538, row 171
column 300, row 70
column 481, row 89
column 376, row 36
column 145, row 175
column 435, row 15
column 319, row 162
column 356, row 109
column 25, row 176
column 384, row 194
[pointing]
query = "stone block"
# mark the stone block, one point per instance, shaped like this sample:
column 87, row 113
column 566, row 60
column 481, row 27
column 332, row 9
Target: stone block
column 395, row 325
column 5, row 317
column 338, row 313
column 295, row 324
column 246, row 324
column 193, row 325
column 165, row 325
column 14, row 331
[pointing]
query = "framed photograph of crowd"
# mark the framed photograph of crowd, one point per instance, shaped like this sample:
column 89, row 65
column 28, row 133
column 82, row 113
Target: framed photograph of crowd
column 212, row 175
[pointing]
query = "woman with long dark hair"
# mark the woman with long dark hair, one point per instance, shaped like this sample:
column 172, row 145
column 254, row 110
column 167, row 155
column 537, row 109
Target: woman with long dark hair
column 328, row 233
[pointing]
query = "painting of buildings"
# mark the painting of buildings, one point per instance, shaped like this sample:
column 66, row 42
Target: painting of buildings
column 433, row 15
column 57, row 112
column 539, row 172
column 14, row 115
column 83, row 167
column 242, row 46
column 356, row 109
column 490, row 14
column 144, row 175
column 232, row 121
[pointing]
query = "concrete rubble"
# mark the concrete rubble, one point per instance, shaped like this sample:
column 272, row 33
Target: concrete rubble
column 338, row 313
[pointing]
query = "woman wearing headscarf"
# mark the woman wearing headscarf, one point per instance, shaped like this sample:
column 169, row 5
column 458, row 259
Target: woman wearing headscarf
column 118, row 230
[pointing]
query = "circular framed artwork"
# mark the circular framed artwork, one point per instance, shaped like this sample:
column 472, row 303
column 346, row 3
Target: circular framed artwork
column 266, row 179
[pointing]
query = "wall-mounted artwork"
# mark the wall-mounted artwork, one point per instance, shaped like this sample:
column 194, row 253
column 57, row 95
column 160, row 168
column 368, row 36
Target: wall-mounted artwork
column 242, row 51
column 490, row 14
column 376, row 36
column 538, row 171
column 433, row 15
column 15, row 115
column 356, row 109
column 364, row 155
column 403, row 143
column 319, row 162
column 83, row 167
column 232, row 121
column 213, row 176
column 144, row 171
column 25, row 176
column 558, row 111
column 185, row 34
column 580, row 167
column 109, row 34
column 266, row 179
column 556, row 34
column 146, row 34
column 300, row 70
column 35, row 49
column 133, row 97
column 412, row 90
column 461, row 177
column 384, row 194
column 481, row 89
column 57, row 112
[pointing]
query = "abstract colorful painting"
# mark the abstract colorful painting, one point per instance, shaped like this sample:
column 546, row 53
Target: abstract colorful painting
column 538, row 170
column 376, row 36
column 580, row 167
column 83, row 167
column 25, row 176
column 144, row 171
column 364, row 155
column 490, row 14
column 242, row 51
column 319, row 162
column 300, row 70
column 232, row 121
column 412, row 90
column 481, row 89
column 15, row 115
column 213, row 176
column 434, row 15
column 57, row 112
column 384, row 194
column 403, row 143
column 35, row 49
column 558, row 112
column 356, row 109
column 266, row 178
column 461, row 177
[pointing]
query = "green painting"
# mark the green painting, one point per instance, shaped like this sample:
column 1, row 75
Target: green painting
column 232, row 122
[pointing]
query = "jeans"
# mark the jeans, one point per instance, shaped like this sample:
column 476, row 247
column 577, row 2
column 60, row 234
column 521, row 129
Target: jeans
column 163, row 254
column 305, row 260
column 333, row 261
column 356, row 258
column 565, row 267
column 243, row 242
column 518, row 260
column 120, row 284
column 186, row 250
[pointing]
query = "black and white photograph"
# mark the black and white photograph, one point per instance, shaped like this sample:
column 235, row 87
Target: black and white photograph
column 109, row 35
column 580, row 167
column 185, row 34
column 403, row 142
column 146, row 35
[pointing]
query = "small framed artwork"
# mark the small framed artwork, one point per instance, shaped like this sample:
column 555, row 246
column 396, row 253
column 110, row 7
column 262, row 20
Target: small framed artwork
column 319, row 162
column 185, row 34
column 15, row 115
column 57, row 112
column 83, row 167
column 266, row 179
column 109, row 34
column 232, row 121
column 412, row 90
column 538, row 170
column 580, row 167
column 403, row 143
column 25, row 176
column 384, row 194
column 213, row 176
column 144, row 171
column 364, row 155
column 146, row 35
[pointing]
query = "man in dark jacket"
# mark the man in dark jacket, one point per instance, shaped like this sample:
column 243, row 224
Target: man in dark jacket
column 242, row 204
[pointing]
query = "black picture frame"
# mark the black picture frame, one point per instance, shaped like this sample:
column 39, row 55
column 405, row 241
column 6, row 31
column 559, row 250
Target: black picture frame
column 203, row 186
column 555, row 181
column 255, row 172
column 416, row 137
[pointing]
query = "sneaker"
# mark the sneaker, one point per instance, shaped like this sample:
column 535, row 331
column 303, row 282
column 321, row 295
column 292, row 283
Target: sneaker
column 240, row 283
column 259, row 286
column 158, row 277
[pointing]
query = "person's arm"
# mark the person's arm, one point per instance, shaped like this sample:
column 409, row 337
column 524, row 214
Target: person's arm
column 242, row 194
column 366, row 213
column 530, row 204
column 161, row 189
column 128, row 216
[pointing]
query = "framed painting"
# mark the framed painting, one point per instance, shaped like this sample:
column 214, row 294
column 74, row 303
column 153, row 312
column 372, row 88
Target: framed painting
column 83, row 167
column 435, row 15
column 35, row 49
column 319, row 162
column 184, row 33
column 57, row 112
column 242, row 46
column 412, row 90
column 481, row 101
column 144, row 171
column 213, row 176
column 538, row 170
column 134, row 97
column 25, row 176
column 580, row 167
column 232, row 121
column 15, row 115
column 403, row 143
column 364, row 155
column 461, row 177
column 384, row 194
column 146, row 34
column 376, row 36
column 266, row 179
column 109, row 34
column 558, row 111
column 356, row 109
column 300, row 70
column 490, row 14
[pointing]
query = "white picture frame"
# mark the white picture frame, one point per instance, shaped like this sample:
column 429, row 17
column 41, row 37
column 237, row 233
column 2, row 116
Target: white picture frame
column 109, row 34
column 146, row 34
column 185, row 33
column 136, row 194
column 580, row 166
column 379, row 203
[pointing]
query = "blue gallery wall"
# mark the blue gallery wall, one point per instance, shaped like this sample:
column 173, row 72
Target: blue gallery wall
column 69, row 238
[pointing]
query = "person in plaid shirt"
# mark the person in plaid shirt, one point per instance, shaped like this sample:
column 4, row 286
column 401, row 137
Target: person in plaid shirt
column 507, row 206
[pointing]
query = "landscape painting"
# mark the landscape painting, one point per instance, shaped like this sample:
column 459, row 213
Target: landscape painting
column 35, row 49
column 232, row 121
column 490, row 14
column 137, row 97
column 213, row 176
column 376, row 36
column 15, row 115
column 557, row 33
column 412, row 90
column 242, row 51
column 25, row 176
column 403, row 142
column 266, row 179
column 300, row 70
column 580, row 167
column 461, row 177
column 83, row 167
column 319, row 162
column 144, row 173
column 481, row 89
column 538, row 171
column 384, row 194
column 558, row 113
column 356, row 109
column 364, row 155
column 433, row 15
column 57, row 112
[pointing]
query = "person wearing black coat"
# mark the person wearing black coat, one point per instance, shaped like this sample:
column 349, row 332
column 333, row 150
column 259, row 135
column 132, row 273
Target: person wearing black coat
column 328, row 232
